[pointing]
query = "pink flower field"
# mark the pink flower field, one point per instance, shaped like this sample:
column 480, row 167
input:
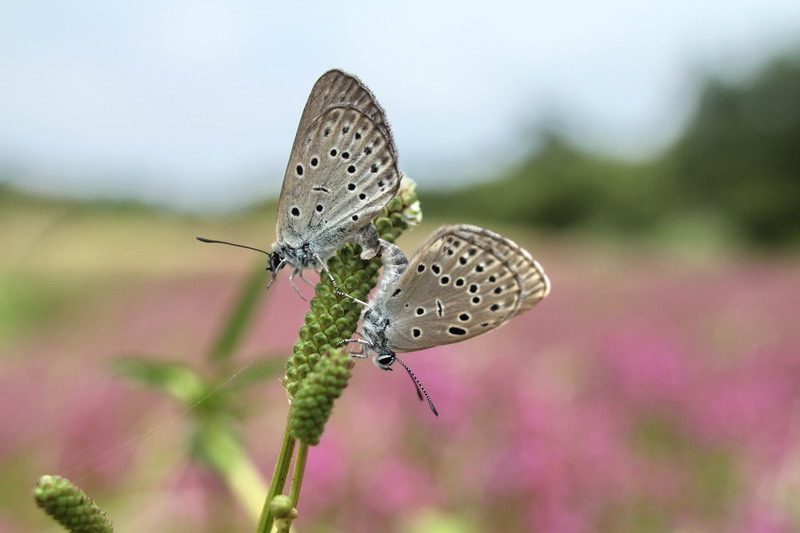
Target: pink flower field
column 647, row 393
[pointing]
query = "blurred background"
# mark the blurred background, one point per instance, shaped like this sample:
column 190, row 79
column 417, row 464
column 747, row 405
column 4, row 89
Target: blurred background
column 646, row 154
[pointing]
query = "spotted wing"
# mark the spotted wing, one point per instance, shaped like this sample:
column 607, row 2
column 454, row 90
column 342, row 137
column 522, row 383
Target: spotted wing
column 336, row 88
column 463, row 281
column 342, row 169
column 343, row 172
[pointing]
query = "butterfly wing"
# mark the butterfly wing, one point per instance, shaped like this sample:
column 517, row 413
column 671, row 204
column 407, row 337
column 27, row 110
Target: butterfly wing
column 336, row 88
column 342, row 169
column 463, row 281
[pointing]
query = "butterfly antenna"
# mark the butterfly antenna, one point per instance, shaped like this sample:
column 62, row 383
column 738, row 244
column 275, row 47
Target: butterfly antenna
column 419, row 387
column 203, row 239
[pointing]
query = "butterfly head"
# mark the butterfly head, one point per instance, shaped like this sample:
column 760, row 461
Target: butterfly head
column 275, row 262
column 277, row 259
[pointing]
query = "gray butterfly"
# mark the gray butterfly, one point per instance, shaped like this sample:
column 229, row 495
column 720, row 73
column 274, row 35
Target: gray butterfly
column 463, row 281
column 342, row 171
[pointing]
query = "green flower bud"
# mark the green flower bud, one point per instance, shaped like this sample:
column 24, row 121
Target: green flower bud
column 325, row 320
column 313, row 402
column 70, row 506
column 281, row 507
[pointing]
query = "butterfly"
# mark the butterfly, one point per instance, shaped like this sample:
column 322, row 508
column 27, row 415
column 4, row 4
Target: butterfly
column 463, row 281
column 342, row 171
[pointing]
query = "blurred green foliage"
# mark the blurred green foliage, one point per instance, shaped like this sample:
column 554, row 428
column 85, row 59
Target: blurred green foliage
column 26, row 302
column 733, row 173
column 732, row 176
column 741, row 154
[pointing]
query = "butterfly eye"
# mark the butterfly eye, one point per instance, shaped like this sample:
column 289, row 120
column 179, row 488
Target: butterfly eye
column 275, row 262
column 385, row 361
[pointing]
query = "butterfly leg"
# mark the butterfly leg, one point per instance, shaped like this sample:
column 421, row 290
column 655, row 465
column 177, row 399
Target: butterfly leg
column 311, row 283
column 395, row 263
column 359, row 355
column 336, row 287
column 356, row 300
column 328, row 272
column 291, row 280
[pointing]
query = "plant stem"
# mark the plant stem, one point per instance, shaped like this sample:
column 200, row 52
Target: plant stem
column 246, row 483
column 297, row 480
column 297, row 475
column 278, row 479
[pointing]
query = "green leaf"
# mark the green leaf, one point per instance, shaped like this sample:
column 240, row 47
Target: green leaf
column 177, row 379
column 240, row 315
column 266, row 367
column 217, row 444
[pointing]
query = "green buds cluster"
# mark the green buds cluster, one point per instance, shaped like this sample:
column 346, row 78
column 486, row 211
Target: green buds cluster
column 313, row 403
column 70, row 506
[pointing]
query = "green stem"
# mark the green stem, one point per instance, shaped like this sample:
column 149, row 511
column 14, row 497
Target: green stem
column 297, row 481
column 297, row 475
column 246, row 483
column 278, row 479
column 239, row 317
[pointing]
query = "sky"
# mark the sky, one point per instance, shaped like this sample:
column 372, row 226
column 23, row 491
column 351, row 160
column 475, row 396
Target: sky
column 195, row 104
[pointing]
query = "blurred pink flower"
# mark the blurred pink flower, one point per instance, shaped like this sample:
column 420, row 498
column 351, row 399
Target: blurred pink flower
column 643, row 394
